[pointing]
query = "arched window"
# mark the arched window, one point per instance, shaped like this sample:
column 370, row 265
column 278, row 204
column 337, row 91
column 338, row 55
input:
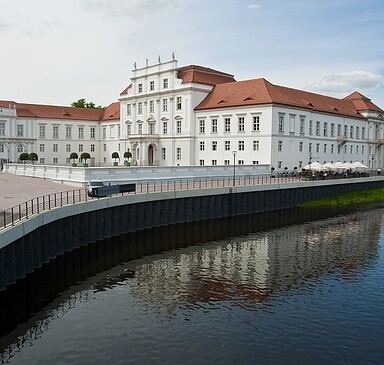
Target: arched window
column 20, row 148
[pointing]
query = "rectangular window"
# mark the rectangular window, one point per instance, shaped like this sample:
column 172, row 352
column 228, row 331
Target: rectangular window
column 140, row 88
column 325, row 129
column 227, row 145
column 317, row 128
column 325, row 148
column 227, row 124
column 240, row 162
column 165, row 105
column 280, row 146
column 20, row 130
column 129, row 110
column 68, row 132
column 256, row 145
column 42, row 148
column 55, row 147
column 201, row 162
column 279, row 164
column 2, row 148
column 362, row 132
column 363, row 149
column 214, row 145
column 214, row 162
column 55, row 160
column 67, row 148
column 2, row 129
column 332, row 129
column 310, row 128
column 178, row 103
column 151, row 128
column 165, row 127
column 345, row 130
column 357, row 132
column 301, row 146
column 93, row 133
column 104, row 132
column 302, row 125
column 140, row 128
column 111, row 131
column 118, row 131
column 332, row 148
column 81, row 148
column 256, row 123
column 241, row 145
column 351, row 132
column 317, row 147
column 152, row 85
column 281, row 123
column 357, row 150
column 105, row 147
column 165, row 83
column 178, row 127
column 214, row 125
column 139, row 107
column 92, row 148
column 241, row 124
column 339, row 130
column 178, row 153
column 202, row 146
column 129, row 129
column 310, row 147
column 163, row 153
column 42, row 160
column 41, row 131
column 81, row 132
column 202, row 126
column 151, row 106
column 226, row 162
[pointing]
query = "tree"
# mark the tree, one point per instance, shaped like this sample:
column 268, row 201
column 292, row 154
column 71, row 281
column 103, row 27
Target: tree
column 73, row 156
column 127, row 156
column 115, row 155
column 85, row 156
column 33, row 157
column 23, row 157
column 82, row 103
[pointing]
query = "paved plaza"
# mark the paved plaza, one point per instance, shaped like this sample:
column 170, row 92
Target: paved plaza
column 16, row 189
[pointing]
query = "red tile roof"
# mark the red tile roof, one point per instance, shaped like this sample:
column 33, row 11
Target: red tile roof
column 261, row 92
column 125, row 91
column 63, row 112
column 112, row 112
column 362, row 103
column 203, row 75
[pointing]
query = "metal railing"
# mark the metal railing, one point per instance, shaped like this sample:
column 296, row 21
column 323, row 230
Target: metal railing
column 18, row 213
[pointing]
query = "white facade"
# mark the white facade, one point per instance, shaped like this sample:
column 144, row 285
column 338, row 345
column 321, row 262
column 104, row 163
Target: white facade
column 159, row 120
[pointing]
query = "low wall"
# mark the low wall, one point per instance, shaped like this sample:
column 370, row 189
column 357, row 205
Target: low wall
column 29, row 245
column 78, row 176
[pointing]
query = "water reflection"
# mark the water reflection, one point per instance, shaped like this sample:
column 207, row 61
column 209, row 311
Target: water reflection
column 230, row 268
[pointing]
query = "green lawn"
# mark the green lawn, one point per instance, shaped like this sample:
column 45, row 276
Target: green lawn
column 358, row 197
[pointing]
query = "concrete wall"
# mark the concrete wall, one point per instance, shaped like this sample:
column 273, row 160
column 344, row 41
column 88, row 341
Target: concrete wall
column 34, row 242
column 78, row 176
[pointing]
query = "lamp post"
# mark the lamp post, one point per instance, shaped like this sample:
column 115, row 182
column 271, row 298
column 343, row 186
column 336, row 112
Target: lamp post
column 372, row 158
column 310, row 160
column 234, row 166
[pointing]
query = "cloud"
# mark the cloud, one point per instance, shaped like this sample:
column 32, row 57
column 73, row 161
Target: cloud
column 253, row 6
column 118, row 9
column 347, row 82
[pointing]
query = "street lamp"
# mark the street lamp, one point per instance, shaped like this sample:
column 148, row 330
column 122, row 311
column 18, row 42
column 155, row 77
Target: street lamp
column 372, row 157
column 234, row 166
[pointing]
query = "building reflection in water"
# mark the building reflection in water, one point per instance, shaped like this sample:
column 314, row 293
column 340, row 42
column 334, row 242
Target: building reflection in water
column 229, row 264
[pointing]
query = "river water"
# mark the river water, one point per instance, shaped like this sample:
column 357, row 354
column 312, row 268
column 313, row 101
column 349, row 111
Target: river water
column 284, row 291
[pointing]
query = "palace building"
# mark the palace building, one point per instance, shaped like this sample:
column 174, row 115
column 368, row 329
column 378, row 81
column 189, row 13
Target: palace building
column 194, row 115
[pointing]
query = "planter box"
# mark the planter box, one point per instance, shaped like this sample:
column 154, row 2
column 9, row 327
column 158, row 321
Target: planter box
column 115, row 164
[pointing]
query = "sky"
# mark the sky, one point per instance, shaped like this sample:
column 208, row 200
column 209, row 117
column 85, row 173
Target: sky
column 55, row 51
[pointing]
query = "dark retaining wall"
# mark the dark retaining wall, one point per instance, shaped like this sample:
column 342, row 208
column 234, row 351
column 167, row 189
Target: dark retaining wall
column 45, row 243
